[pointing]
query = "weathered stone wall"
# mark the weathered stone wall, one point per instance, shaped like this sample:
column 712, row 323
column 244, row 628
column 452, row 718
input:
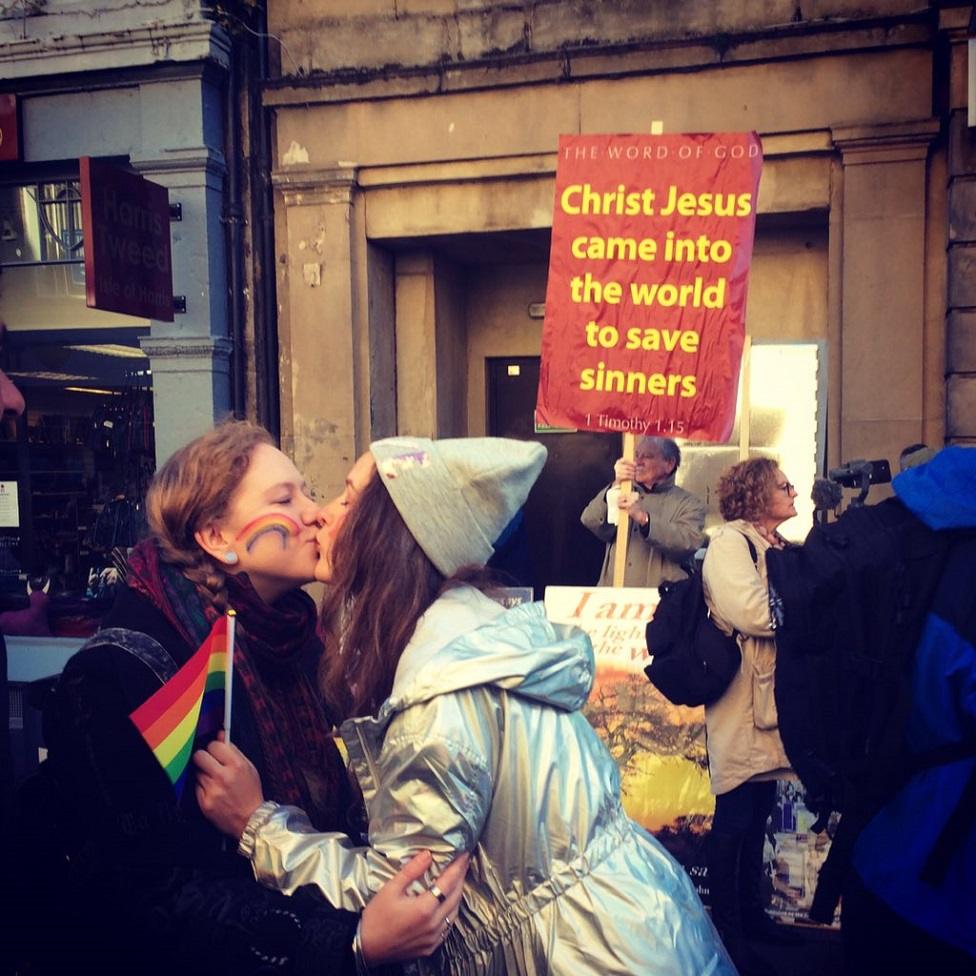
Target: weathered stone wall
column 331, row 36
column 450, row 112
column 961, row 297
column 141, row 81
column 43, row 37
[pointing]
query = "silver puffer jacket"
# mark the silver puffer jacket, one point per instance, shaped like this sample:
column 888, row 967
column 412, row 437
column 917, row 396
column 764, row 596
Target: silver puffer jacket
column 481, row 747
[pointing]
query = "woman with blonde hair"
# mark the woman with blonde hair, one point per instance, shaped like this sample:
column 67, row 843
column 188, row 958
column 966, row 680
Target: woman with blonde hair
column 745, row 752
column 232, row 525
column 465, row 731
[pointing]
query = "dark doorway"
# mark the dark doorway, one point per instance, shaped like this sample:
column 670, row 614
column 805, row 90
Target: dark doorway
column 561, row 551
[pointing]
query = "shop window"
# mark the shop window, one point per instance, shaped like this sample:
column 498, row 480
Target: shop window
column 41, row 223
column 75, row 468
column 787, row 410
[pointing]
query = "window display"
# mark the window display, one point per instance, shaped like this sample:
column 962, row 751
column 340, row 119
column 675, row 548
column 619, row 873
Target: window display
column 75, row 467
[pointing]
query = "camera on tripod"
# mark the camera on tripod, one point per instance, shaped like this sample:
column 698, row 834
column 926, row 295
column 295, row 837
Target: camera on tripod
column 861, row 474
column 828, row 493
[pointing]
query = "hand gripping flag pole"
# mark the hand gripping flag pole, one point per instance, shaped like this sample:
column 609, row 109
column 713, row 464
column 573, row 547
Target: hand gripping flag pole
column 193, row 705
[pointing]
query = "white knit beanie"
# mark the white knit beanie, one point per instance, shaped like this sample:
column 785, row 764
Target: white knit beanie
column 456, row 496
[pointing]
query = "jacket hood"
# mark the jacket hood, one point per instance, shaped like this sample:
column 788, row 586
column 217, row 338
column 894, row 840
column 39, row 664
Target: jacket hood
column 942, row 493
column 465, row 639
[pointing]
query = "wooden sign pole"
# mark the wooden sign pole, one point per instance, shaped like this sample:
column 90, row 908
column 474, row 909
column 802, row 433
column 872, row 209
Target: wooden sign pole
column 623, row 525
column 745, row 400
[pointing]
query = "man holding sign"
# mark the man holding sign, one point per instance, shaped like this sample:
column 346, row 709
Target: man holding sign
column 666, row 521
column 643, row 337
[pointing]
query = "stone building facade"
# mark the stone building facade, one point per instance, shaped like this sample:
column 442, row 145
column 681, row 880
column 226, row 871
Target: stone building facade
column 140, row 84
column 414, row 157
column 154, row 87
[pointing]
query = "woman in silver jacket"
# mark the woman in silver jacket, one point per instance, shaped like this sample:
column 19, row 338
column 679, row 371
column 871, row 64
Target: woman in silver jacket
column 465, row 733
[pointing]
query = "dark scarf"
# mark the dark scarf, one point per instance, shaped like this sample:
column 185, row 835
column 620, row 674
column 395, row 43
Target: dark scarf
column 302, row 765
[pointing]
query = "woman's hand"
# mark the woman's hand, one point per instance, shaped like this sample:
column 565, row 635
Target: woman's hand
column 398, row 925
column 228, row 786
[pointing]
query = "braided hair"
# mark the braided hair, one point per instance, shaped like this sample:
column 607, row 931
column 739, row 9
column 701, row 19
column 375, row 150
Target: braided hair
column 191, row 490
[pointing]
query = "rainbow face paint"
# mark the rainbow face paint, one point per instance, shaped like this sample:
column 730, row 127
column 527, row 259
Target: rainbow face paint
column 282, row 524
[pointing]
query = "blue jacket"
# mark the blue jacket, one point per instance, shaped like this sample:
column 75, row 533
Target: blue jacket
column 893, row 849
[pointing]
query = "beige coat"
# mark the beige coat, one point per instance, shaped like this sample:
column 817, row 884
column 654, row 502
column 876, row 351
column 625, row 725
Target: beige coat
column 673, row 534
column 742, row 726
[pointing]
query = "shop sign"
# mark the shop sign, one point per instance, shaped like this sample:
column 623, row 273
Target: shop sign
column 646, row 299
column 9, row 129
column 128, row 268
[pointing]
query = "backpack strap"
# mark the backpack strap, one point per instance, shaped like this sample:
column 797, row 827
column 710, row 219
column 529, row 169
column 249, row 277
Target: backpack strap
column 755, row 562
column 752, row 549
column 147, row 649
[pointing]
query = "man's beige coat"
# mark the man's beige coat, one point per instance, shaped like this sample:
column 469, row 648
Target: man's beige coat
column 675, row 531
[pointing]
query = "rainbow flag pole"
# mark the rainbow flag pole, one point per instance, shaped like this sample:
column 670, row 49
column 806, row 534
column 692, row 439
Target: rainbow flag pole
column 192, row 705
column 229, row 677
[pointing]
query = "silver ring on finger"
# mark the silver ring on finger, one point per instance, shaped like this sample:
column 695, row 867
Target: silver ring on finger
column 437, row 893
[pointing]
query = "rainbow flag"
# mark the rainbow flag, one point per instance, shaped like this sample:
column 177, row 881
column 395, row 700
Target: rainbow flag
column 191, row 705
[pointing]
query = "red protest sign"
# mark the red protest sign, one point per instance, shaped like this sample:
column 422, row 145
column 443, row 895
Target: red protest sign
column 646, row 299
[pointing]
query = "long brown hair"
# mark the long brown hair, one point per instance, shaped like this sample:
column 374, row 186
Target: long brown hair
column 382, row 583
column 193, row 488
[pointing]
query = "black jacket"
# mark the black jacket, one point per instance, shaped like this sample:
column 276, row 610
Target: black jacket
column 167, row 891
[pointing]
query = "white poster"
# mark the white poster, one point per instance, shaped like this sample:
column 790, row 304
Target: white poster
column 9, row 506
column 660, row 749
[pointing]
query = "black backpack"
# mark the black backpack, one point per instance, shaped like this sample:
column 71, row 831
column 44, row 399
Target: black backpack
column 51, row 928
column 848, row 608
column 693, row 662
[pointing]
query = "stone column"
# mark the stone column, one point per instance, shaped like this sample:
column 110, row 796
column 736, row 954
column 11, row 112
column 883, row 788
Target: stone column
column 332, row 356
column 416, row 345
column 189, row 356
column 961, row 273
column 884, row 362
column 431, row 346
column 191, row 387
